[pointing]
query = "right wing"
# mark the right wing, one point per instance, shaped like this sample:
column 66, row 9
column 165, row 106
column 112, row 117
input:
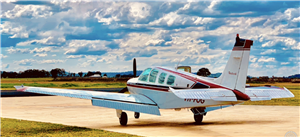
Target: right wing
column 267, row 93
column 130, row 102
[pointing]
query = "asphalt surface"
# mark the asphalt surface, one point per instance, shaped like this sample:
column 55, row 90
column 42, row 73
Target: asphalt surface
column 242, row 120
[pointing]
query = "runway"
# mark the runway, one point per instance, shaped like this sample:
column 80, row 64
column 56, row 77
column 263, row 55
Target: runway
column 242, row 120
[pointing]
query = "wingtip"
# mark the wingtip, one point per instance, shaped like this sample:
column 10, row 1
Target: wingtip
column 20, row 88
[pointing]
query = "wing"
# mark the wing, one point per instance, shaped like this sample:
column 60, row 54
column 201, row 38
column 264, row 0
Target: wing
column 130, row 102
column 216, row 94
column 267, row 93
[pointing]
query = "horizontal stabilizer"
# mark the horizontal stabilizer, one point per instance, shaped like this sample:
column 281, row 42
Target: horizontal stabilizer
column 130, row 102
column 267, row 93
column 216, row 94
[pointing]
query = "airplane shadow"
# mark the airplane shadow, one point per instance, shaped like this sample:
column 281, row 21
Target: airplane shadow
column 140, row 123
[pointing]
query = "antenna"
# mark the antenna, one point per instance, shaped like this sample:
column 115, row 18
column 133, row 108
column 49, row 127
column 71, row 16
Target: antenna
column 177, row 64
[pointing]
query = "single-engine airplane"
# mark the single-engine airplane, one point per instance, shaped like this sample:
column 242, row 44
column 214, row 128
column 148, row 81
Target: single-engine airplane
column 166, row 88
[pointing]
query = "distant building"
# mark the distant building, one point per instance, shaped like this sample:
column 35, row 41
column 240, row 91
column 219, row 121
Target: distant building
column 95, row 76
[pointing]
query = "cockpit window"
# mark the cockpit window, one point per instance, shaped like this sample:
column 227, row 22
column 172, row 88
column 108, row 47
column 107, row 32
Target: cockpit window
column 161, row 78
column 144, row 75
column 171, row 80
column 153, row 75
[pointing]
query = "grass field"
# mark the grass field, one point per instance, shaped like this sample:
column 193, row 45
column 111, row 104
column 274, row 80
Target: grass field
column 13, row 127
column 8, row 83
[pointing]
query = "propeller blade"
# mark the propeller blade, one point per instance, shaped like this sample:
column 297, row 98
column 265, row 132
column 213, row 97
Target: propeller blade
column 123, row 90
column 134, row 67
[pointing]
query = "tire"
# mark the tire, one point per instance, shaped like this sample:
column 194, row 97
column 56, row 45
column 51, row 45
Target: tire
column 136, row 115
column 123, row 119
column 198, row 119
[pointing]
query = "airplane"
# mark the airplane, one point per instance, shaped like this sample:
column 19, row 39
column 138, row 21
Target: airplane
column 171, row 88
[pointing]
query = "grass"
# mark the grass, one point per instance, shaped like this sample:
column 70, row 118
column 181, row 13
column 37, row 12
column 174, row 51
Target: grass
column 9, row 83
column 13, row 127
column 293, row 87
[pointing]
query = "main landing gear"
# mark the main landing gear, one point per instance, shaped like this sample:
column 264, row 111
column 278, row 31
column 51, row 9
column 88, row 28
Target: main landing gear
column 198, row 114
column 123, row 118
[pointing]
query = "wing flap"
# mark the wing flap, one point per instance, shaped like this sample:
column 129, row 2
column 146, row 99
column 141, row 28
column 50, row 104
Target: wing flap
column 267, row 93
column 130, row 106
column 130, row 102
column 216, row 94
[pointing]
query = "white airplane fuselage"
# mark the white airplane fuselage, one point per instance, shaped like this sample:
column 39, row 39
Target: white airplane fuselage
column 159, row 92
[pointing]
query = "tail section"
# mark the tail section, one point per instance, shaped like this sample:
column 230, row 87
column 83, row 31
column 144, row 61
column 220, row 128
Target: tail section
column 235, row 73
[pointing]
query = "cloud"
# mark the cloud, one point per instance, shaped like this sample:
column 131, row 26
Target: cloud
column 45, row 41
column 86, row 47
column 264, row 59
column 41, row 55
column 284, row 63
column 3, row 56
column 12, row 50
column 28, row 11
column 14, row 29
column 31, row 62
column 39, row 50
column 6, row 66
column 75, row 56
column 252, row 58
column 25, row 62
column 269, row 51
column 50, row 61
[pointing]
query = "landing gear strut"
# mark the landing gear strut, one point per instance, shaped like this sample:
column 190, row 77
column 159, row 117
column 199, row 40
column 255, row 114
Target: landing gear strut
column 136, row 115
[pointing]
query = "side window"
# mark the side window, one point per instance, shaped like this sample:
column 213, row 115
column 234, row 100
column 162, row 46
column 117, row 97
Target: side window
column 144, row 75
column 153, row 75
column 161, row 78
column 171, row 80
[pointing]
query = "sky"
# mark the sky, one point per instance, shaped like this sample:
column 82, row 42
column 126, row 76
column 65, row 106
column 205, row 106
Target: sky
column 106, row 35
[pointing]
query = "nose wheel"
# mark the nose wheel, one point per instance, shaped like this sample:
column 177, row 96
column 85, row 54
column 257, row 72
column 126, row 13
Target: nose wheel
column 136, row 115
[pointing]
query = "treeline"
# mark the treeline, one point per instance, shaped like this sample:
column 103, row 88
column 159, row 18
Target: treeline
column 36, row 73
column 266, row 79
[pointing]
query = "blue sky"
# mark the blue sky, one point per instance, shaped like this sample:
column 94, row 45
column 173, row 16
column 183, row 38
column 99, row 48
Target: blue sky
column 106, row 36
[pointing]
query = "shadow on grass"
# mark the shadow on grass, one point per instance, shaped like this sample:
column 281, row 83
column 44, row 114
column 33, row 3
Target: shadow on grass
column 34, row 131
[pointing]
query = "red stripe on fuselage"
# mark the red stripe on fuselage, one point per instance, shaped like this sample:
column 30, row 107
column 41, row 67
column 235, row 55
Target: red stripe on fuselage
column 148, row 87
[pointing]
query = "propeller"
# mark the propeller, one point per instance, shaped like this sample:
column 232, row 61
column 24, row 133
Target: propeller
column 134, row 75
column 134, row 67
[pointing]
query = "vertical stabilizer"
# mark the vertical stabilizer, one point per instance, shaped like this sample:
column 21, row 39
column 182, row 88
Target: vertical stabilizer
column 235, row 73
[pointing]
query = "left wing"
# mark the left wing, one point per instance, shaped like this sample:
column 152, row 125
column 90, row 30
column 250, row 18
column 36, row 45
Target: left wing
column 130, row 102
column 267, row 93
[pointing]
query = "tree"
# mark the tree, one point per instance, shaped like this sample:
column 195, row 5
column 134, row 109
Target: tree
column 203, row 72
column 89, row 74
column 80, row 74
column 56, row 72
column 118, row 75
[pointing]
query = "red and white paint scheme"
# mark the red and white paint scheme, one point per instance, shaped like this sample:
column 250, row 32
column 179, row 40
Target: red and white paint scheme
column 166, row 88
